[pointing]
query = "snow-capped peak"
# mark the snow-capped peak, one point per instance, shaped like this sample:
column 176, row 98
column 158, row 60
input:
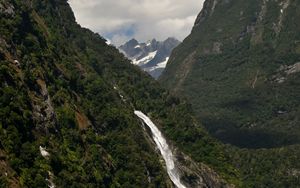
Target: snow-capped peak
column 144, row 60
column 151, row 56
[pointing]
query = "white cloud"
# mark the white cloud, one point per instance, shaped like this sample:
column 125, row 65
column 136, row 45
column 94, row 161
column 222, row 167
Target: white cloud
column 142, row 19
column 119, row 39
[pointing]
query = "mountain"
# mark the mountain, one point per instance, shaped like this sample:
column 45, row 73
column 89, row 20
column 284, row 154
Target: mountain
column 68, row 106
column 74, row 112
column 239, row 68
column 242, row 68
column 152, row 56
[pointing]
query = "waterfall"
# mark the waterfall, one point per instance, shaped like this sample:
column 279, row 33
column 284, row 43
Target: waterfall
column 163, row 148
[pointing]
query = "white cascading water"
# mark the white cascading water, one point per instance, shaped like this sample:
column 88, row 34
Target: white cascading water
column 163, row 148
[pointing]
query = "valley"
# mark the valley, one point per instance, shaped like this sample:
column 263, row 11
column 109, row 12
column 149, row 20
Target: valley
column 218, row 110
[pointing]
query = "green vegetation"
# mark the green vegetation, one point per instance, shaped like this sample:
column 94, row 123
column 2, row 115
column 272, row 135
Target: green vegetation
column 57, row 91
column 233, row 69
column 94, row 139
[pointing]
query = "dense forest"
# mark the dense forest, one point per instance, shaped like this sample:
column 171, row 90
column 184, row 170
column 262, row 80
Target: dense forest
column 239, row 68
column 63, row 122
column 67, row 102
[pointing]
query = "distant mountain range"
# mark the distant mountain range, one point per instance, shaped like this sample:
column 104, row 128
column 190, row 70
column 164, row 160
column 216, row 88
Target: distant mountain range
column 152, row 56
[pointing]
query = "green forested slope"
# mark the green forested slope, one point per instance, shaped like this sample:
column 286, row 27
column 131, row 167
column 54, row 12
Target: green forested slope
column 60, row 87
column 53, row 95
column 239, row 68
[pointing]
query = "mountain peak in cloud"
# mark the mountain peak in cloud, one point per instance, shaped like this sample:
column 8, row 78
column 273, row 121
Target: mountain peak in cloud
column 151, row 56
column 122, row 20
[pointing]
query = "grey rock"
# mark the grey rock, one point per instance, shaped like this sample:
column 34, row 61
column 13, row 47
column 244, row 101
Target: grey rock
column 292, row 69
column 217, row 47
column 7, row 9
column 284, row 71
column 198, row 175
column 140, row 54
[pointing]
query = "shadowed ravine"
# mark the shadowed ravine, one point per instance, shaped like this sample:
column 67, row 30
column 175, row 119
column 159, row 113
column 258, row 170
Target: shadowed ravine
column 163, row 148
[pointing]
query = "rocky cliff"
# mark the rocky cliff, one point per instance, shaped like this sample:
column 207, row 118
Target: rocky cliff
column 239, row 70
column 239, row 66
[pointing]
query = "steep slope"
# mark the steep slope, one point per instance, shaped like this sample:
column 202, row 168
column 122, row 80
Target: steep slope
column 152, row 57
column 239, row 69
column 67, row 110
column 61, row 121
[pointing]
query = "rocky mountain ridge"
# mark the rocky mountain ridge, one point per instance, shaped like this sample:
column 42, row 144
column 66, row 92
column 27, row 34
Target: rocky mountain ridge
column 152, row 56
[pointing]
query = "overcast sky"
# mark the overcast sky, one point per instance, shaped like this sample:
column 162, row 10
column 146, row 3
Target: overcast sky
column 121, row 20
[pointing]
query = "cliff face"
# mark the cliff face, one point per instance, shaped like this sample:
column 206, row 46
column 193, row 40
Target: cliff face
column 67, row 102
column 239, row 70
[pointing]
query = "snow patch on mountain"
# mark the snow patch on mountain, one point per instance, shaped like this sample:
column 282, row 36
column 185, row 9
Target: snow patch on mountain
column 151, row 56
column 161, row 65
column 144, row 60
column 108, row 42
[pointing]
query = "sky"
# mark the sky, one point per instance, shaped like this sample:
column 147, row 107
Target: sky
column 122, row 20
